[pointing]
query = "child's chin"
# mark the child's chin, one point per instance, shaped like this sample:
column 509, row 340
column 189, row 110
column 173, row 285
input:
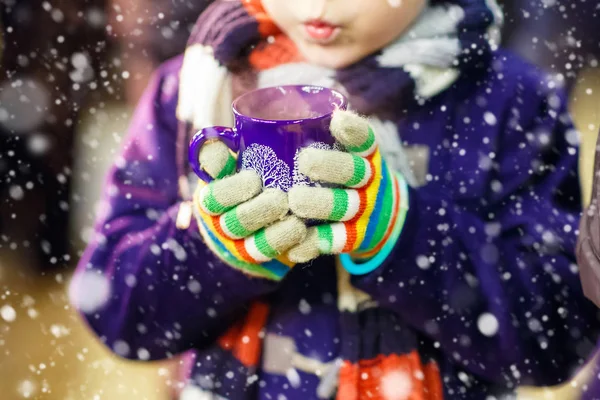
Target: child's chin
column 329, row 57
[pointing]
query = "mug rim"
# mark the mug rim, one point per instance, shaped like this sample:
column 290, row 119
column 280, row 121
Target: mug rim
column 342, row 106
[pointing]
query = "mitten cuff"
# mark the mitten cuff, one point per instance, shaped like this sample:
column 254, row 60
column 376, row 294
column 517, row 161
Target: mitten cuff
column 274, row 269
column 361, row 267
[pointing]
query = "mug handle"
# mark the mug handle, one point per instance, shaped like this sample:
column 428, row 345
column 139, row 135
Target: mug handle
column 227, row 135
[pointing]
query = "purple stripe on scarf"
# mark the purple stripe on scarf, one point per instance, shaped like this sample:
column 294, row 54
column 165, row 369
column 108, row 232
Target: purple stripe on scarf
column 227, row 27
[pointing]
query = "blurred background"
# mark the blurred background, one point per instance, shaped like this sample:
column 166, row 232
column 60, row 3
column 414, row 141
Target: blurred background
column 71, row 72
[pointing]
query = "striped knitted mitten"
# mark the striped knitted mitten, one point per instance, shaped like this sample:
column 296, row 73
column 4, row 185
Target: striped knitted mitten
column 246, row 227
column 366, row 210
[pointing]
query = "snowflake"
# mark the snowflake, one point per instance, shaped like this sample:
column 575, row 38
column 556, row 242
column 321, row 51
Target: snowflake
column 304, row 307
column 191, row 392
column 487, row 324
column 490, row 118
column 143, row 354
column 396, row 385
column 121, row 348
column 90, row 291
column 8, row 313
column 275, row 173
column 26, row 388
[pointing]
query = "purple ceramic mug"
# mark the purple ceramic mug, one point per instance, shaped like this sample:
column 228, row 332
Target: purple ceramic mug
column 271, row 126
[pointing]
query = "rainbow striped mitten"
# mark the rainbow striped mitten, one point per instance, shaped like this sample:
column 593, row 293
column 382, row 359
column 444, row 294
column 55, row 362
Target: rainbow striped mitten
column 365, row 217
column 246, row 227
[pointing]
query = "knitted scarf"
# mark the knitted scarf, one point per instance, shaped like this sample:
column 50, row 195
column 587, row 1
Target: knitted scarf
column 236, row 38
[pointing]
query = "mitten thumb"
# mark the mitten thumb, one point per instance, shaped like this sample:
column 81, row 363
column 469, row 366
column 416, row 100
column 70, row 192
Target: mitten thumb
column 216, row 159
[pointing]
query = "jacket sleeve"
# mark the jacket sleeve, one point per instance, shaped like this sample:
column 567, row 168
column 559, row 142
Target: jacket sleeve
column 147, row 288
column 493, row 280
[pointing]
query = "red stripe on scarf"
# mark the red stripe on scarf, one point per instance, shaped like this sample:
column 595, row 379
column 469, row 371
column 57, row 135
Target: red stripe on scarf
column 269, row 55
column 229, row 338
column 266, row 26
column 434, row 382
column 244, row 339
column 389, row 378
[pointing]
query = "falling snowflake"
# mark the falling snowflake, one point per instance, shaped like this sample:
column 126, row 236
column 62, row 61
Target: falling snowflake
column 121, row 348
column 487, row 324
column 16, row 192
column 8, row 313
column 194, row 286
column 191, row 392
column 59, row 330
column 26, row 388
column 275, row 173
column 143, row 354
column 490, row 118
column 38, row 144
column 396, row 385
column 90, row 291
column 423, row 262
column 24, row 104
column 573, row 137
column 304, row 307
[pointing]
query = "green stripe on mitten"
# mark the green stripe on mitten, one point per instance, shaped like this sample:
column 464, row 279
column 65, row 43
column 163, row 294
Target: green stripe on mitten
column 363, row 217
column 245, row 226
column 217, row 160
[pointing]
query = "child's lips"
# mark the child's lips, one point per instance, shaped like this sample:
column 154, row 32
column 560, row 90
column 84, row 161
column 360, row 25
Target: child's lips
column 321, row 31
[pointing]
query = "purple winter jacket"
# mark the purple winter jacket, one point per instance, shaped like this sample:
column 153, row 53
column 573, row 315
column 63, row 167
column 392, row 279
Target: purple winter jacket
column 484, row 271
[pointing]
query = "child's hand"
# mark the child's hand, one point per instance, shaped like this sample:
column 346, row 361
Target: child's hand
column 242, row 224
column 367, row 214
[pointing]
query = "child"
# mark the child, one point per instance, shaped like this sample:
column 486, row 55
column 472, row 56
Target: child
column 457, row 275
